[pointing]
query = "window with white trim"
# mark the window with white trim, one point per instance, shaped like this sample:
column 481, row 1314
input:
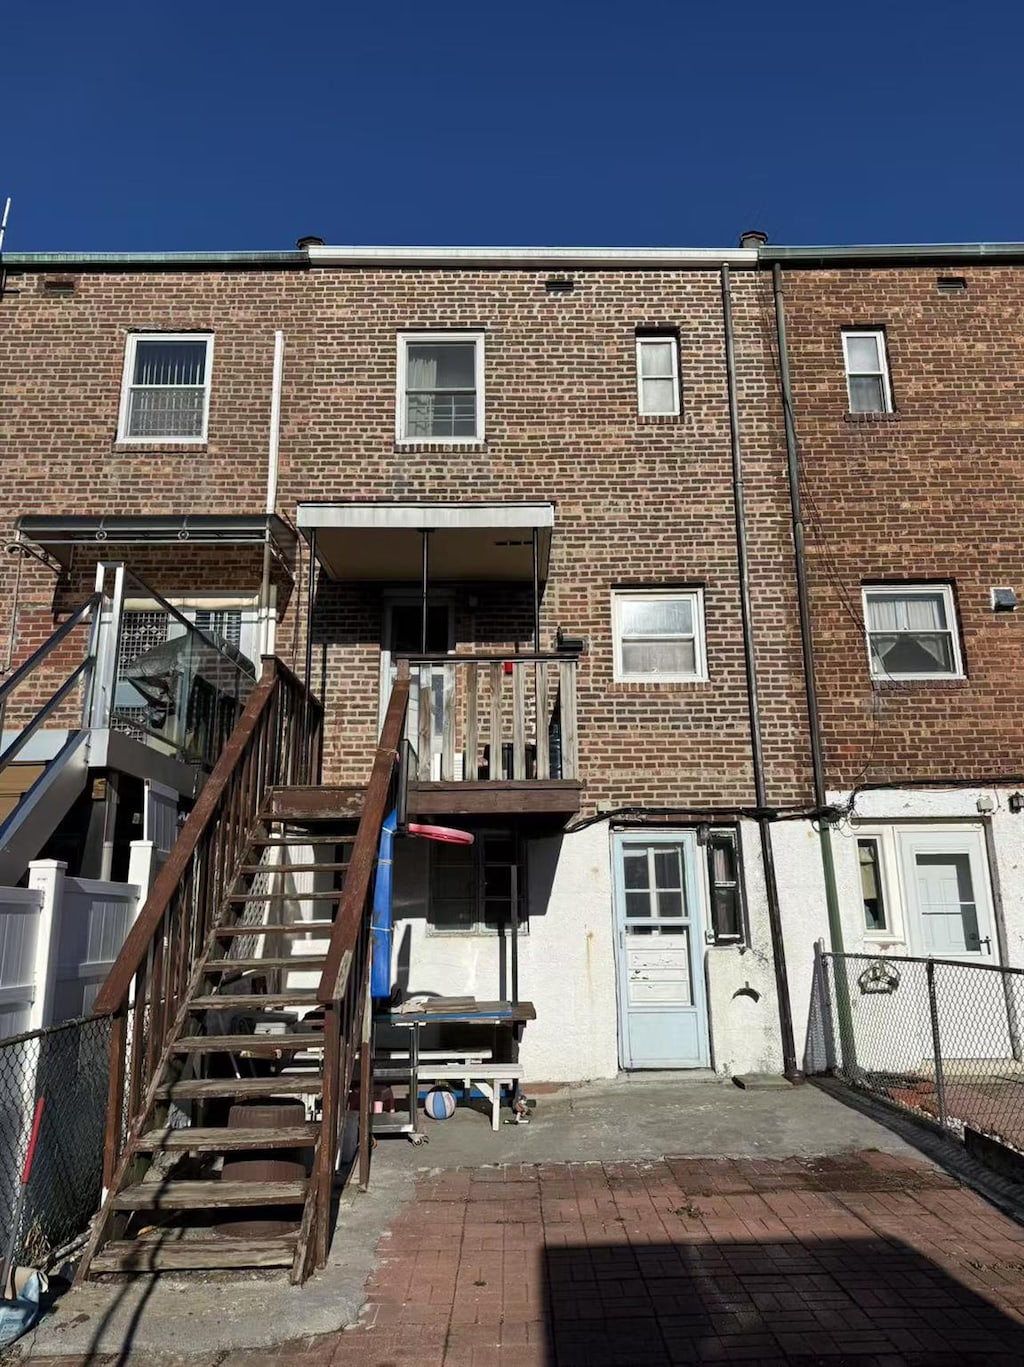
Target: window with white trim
column 165, row 393
column 867, row 371
column 912, row 631
column 659, row 635
column 657, row 374
column 474, row 889
column 440, row 387
column 872, row 886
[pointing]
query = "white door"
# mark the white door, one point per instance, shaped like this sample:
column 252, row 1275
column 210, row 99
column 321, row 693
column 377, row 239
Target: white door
column 662, row 1003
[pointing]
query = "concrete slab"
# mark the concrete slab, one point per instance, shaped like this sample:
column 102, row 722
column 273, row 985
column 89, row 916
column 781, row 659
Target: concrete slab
column 615, row 1121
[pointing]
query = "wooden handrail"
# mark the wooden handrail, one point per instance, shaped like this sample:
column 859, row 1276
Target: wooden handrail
column 364, row 851
column 113, row 995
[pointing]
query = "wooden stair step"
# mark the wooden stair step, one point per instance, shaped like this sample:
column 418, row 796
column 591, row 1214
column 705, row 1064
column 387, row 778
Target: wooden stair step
column 289, row 928
column 333, row 896
column 257, row 1001
column 283, row 1084
column 208, row 1195
column 165, row 1253
column 293, row 868
column 247, row 1044
column 222, row 1139
column 298, row 961
column 303, row 838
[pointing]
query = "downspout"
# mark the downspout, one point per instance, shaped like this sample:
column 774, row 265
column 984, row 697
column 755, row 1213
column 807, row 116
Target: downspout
column 828, row 868
column 273, row 445
column 789, row 1063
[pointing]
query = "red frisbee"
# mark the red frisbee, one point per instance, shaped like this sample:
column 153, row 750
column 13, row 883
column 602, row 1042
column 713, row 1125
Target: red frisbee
column 449, row 834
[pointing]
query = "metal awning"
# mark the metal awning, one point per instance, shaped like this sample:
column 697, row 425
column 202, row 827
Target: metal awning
column 59, row 535
column 467, row 541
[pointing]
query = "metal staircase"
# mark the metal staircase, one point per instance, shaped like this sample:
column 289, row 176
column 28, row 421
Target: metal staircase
column 239, row 1006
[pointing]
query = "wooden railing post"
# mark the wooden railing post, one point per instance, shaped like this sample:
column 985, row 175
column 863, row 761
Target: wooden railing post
column 115, row 1097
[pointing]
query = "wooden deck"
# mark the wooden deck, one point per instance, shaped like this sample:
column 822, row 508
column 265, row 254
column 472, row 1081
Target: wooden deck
column 505, row 797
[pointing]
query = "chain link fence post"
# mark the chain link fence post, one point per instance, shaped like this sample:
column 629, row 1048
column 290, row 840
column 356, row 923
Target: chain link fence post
column 933, row 1012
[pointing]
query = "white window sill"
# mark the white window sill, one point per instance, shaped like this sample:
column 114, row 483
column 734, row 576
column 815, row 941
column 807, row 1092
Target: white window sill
column 673, row 679
column 160, row 441
column 918, row 678
column 439, row 441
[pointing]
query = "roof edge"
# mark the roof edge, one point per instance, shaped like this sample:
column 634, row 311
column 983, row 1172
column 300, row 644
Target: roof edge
column 44, row 261
column 898, row 253
column 532, row 256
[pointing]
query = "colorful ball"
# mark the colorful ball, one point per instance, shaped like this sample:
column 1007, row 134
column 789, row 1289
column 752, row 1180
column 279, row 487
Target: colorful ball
column 439, row 1103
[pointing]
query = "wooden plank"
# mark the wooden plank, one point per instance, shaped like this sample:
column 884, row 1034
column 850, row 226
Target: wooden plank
column 497, row 673
column 287, row 928
column 240, row 898
column 252, row 1001
column 284, row 1084
column 424, row 711
column 316, row 801
column 448, row 722
column 293, row 868
column 485, row 799
column 208, row 1195
column 472, row 722
column 540, row 676
column 222, row 1139
column 567, row 692
column 300, row 962
column 170, row 1254
column 263, row 1043
column 518, row 720
column 115, row 1094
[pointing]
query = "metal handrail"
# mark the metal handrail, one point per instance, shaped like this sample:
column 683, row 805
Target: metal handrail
column 919, row 959
column 30, row 728
column 35, row 659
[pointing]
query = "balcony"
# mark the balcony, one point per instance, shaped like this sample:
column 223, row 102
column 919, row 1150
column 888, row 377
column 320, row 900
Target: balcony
column 492, row 734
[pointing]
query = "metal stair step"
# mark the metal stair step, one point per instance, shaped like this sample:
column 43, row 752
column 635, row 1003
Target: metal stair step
column 208, row 1195
column 284, row 1084
column 289, row 928
column 222, row 1139
column 297, row 961
column 262, row 1044
column 167, row 1251
column 293, row 868
column 228, row 1001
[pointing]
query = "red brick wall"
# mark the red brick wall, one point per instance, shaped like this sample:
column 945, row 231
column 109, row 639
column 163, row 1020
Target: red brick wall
column 933, row 492
column 639, row 501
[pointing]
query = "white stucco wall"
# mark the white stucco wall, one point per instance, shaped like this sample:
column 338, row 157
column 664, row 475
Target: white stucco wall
column 804, row 919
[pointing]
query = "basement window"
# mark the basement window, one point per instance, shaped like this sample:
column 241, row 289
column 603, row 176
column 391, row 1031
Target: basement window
column 165, row 392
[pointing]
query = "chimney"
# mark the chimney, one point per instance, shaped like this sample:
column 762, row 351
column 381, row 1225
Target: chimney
column 753, row 238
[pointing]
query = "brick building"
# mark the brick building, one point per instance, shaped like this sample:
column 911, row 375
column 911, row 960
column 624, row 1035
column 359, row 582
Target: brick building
column 565, row 412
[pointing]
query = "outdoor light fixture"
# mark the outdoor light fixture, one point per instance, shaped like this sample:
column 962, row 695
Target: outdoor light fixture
column 570, row 645
column 1016, row 802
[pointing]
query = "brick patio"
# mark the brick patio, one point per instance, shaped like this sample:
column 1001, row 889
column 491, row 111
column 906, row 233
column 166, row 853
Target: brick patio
column 867, row 1257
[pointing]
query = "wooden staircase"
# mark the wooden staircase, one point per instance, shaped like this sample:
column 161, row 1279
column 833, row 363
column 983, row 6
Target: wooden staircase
column 240, row 1007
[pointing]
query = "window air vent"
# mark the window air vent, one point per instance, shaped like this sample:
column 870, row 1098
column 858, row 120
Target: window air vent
column 59, row 285
column 559, row 285
column 951, row 284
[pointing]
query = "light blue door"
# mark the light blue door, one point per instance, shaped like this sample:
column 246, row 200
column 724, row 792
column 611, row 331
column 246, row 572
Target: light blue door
column 663, row 1020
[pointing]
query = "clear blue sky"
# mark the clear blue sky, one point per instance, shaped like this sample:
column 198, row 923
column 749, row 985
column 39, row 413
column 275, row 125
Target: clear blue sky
column 244, row 124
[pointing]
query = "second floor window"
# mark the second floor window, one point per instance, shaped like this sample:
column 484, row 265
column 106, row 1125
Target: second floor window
column 867, row 372
column 441, row 387
column 912, row 631
column 166, row 390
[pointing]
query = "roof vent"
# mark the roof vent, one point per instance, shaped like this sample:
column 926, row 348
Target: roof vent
column 59, row 285
column 753, row 238
column 305, row 242
column 560, row 285
column 951, row 284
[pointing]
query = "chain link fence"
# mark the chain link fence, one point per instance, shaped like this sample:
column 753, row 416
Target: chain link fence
column 67, row 1065
column 939, row 1037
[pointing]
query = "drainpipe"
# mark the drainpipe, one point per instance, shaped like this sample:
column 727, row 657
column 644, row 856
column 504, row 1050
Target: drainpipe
column 273, row 444
column 789, row 1063
column 835, row 925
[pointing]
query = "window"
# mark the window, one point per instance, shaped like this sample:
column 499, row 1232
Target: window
column 474, row 888
column 912, row 632
column 727, row 918
column 867, row 372
column 441, row 387
column 876, row 914
column 166, row 391
column 657, row 374
column 659, row 636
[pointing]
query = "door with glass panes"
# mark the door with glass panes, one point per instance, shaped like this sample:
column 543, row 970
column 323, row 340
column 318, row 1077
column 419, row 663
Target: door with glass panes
column 403, row 635
column 663, row 1021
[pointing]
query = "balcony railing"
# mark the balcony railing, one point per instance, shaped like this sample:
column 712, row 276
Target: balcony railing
column 492, row 718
